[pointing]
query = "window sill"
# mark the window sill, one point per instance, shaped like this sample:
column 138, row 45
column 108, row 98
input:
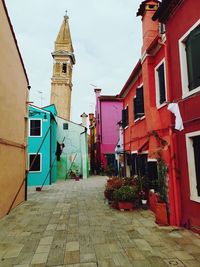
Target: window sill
column 139, row 119
column 195, row 199
column 189, row 93
column 125, row 127
column 161, row 106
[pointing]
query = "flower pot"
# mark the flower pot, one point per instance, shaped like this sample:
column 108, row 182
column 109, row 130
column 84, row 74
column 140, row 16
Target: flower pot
column 113, row 204
column 161, row 214
column 125, row 205
column 144, row 201
column 77, row 178
column 153, row 199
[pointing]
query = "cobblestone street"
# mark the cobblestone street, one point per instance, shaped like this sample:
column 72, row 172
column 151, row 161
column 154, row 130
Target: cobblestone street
column 69, row 224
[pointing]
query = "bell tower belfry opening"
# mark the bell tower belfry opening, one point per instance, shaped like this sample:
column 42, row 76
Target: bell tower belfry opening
column 63, row 61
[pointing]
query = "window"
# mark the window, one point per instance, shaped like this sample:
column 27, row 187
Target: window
column 35, row 163
column 35, row 128
column 138, row 104
column 125, row 117
column 65, row 126
column 189, row 52
column 160, row 84
column 193, row 155
column 193, row 58
column 64, row 68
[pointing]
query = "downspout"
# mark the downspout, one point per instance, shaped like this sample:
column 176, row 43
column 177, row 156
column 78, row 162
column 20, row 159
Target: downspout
column 172, row 136
column 50, row 152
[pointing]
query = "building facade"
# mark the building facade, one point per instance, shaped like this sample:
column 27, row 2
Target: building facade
column 108, row 114
column 183, row 57
column 13, row 124
column 74, row 156
column 42, row 145
column 147, row 122
column 63, row 61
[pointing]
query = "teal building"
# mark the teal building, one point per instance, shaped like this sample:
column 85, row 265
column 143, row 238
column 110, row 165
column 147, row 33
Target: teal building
column 42, row 128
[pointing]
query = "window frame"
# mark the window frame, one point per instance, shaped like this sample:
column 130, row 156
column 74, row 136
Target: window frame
column 40, row 154
column 183, row 63
column 135, row 97
column 191, row 166
column 158, row 105
column 29, row 134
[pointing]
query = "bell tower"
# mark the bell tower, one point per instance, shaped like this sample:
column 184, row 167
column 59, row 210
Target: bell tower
column 63, row 61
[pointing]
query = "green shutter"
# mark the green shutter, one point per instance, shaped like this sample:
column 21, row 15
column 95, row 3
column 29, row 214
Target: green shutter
column 161, row 78
column 196, row 146
column 140, row 102
column 193, row 58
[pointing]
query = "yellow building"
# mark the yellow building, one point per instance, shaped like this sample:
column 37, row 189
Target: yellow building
column 14, row 86
column 61, row 86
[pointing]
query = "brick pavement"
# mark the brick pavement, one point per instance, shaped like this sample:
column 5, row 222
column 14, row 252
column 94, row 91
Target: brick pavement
column 69, row 224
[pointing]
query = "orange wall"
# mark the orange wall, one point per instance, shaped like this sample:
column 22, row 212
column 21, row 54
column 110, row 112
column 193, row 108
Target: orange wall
column 13, row 125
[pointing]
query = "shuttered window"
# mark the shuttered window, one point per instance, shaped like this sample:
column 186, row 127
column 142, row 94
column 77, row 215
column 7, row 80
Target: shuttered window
column 196, row 146
column 161, row 83
column 193, row 58
column 125, row 117
column 138, row 103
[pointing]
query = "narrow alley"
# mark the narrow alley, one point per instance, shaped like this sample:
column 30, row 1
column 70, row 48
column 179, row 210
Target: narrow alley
column 69, row 224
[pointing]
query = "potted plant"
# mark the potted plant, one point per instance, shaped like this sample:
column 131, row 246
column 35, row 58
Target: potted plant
column 161, row 206
column 143, row 197
column 125, row 197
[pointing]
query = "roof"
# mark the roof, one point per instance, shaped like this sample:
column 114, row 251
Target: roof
column 15, row 40
column 142, row 6
column 165, row 9
column 63, row 40
column 130, row 79
column 110, row 98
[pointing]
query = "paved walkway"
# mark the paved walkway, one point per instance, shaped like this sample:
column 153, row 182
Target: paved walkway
column 68, row 224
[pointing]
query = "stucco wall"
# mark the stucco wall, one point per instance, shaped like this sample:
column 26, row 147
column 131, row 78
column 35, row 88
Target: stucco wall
column 13, row 97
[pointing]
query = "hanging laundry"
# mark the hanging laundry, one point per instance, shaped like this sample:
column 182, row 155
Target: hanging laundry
column 59, row 150
column 174, row 108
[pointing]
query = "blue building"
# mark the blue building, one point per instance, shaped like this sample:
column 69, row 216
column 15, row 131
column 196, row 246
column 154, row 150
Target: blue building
column 42, row 137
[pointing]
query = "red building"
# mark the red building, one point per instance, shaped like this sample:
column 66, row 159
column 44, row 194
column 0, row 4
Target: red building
column 181, row 20
column 148, row 129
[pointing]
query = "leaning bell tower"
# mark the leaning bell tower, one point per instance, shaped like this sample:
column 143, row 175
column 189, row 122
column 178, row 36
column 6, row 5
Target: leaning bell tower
column 63, row 61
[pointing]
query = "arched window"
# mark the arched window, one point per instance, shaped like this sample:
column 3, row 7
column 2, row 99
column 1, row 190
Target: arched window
column 64, row 68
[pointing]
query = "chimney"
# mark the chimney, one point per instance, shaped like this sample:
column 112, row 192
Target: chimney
column 149, row 27
column 97, row 92
column 84, row 119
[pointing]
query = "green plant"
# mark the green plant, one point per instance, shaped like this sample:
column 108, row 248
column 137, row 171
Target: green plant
column 162, row 178
column 110, row 170
column 125, row 194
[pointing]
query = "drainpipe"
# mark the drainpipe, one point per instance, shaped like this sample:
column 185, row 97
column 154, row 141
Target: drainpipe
column 172, row 135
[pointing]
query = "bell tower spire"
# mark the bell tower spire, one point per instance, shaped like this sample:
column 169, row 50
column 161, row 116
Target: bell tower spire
column 61, row 85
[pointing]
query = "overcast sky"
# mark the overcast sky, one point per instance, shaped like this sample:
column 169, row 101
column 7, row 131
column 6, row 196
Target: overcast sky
column 106, row 36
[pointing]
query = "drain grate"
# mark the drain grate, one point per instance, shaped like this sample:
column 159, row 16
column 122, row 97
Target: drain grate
column 174, row 262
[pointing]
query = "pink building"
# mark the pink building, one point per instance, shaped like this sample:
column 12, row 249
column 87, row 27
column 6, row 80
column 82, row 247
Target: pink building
column 108, row 114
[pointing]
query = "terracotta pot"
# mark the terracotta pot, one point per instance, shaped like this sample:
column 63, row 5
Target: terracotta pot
column 77, row 178
column 161, row 214
column 125, row 205
column 114, row 204
column 153, row 199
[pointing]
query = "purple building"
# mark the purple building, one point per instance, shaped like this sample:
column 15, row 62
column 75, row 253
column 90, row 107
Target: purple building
column 108, row 114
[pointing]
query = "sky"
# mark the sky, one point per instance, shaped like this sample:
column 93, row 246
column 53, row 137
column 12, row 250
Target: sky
column 106, row 37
